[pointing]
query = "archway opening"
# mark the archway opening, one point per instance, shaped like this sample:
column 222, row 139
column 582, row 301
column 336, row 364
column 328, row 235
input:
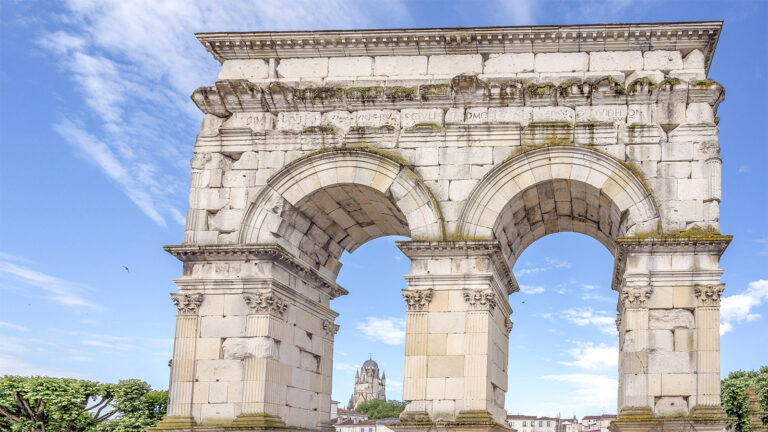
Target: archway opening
column 564, row 347
column 372, row 317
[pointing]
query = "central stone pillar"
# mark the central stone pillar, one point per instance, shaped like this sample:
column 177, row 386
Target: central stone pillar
column 457, row 335
column 669, row 340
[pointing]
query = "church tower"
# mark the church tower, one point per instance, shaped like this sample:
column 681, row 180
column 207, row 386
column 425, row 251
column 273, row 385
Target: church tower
column 368, row 385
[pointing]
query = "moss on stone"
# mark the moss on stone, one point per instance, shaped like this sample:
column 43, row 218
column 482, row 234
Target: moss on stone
column 564, row 89
column 431, row 125
column 399, row 92
column 540, row 89
column 669, row 82
column 613, row 84
column 434, row 90
column 640, row 83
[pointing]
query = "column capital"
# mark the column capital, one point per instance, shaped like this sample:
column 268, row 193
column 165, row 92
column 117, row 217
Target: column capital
column 187, row 304
column 636, row 297
column 480, row 299
column 508, row 324
column 485, row 249
column 330, row 328
column 417, row 300
column 709, row 295
column 266, row 303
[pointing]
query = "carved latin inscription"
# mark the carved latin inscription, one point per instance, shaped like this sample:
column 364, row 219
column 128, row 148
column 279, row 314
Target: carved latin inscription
column 417, row 300
column 187, row 304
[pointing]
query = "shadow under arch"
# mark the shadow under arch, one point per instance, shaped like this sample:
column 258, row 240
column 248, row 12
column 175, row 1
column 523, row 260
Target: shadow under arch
column 557, row 189
column 334, row 200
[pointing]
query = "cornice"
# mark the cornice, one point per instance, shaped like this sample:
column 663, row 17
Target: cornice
column 682, row 36
column 714, row 243
column 214, row 253
column 466, row 249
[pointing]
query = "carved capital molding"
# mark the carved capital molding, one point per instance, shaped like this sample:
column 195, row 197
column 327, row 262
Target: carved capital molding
column 618, row 322
column 266, row 303
column 636, row 297
column 508, row 324
column 481, row 299
column 417, row 300
column 330, row 328
column 709, row 295
column 187, row 304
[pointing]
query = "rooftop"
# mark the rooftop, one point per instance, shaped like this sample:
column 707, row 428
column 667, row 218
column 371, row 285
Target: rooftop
column 681, row 36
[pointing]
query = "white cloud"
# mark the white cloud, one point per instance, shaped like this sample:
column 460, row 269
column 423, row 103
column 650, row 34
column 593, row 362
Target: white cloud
column 10, row 365
column 589, row 287
column 588, row 390
column 550, row 264
column 344, row 367
column 389, row 330
column 135, row 73
column 529, row 289
column 738, row 308
column 58, row 290
column 517, row 12
column 744, row 169
column 596, row 297
column 586, row 316
column 13, row 326
column 587, row 355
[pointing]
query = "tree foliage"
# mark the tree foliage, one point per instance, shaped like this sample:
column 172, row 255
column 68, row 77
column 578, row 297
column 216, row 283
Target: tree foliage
column 379, row 409
column 44, row 404
column 733, row 392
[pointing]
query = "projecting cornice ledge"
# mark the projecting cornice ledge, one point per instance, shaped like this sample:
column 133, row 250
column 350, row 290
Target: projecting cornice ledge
column 682, row 36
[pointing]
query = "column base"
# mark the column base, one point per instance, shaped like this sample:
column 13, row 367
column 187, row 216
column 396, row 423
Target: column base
column 466, row 421
column 258, row 422
column 701, row 419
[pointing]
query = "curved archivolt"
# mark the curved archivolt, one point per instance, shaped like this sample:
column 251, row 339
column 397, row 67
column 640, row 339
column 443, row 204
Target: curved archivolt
column 337, row 200
column 557, row 189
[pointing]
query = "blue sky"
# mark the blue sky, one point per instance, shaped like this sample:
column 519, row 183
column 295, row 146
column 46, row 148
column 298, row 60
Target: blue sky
column 97, row 129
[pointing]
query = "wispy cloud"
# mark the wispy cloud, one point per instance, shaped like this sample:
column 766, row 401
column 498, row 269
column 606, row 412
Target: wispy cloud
column 13, row 326
column 587, row 316
column 588, row 390
column 58, row 290
column 388, row 330
column 530, row 289
column 586, row 355
column 549, row 264
column 738, row 308
column 135, row 74
column 11, row 365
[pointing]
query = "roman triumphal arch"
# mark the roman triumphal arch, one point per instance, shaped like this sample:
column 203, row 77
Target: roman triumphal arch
column 474, row 143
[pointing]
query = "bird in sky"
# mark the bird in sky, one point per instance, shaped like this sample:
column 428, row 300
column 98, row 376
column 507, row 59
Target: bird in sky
column 127, row 269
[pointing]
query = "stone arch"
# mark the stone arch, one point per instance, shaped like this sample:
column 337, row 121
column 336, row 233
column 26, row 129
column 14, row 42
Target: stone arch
column 335, row 200
column 555, row 189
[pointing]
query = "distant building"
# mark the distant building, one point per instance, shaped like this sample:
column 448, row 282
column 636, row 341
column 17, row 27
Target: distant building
column 570, row 425
column 524, row 423
column 597, row 423
column 368, row 385
column 364, row 425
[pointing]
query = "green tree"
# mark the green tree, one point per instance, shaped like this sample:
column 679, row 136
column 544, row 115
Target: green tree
column 733, row 393
column 379, row 409
column 139, row 407
column 44, row 404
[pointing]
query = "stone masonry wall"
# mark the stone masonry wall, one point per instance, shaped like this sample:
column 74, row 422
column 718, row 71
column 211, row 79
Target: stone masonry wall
column 653, row 109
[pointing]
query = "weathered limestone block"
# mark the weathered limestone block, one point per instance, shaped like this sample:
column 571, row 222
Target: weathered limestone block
column 694, row 60
column 615, row 61
column 298, row 121
column 303, row 68
column 400, row 65
column 255, row 69
column 241, row 348
column 662, row 60
column 561, row 62
column 509, row 63
column 350, row 67
column 452, row 65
